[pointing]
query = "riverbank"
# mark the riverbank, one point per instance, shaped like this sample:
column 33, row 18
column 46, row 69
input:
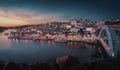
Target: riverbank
column 29, row 51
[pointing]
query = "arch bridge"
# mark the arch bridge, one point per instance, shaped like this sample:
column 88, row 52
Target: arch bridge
column 109, row 37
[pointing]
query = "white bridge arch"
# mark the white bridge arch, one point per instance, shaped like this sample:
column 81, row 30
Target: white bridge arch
column 109, row 39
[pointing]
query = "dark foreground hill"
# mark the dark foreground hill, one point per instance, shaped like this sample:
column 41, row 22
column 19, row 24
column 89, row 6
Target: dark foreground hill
column 64, row 63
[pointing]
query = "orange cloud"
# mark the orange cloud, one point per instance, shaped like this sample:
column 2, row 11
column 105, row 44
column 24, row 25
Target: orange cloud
column 18, row 16
column 10, row 22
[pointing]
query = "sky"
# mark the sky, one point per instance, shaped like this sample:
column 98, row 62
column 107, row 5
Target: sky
column 22, row 12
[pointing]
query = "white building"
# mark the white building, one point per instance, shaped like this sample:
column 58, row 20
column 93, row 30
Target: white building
column 73, row 22
column 68, row 26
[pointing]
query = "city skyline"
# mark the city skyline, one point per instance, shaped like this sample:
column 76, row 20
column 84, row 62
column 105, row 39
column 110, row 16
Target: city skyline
column 22, row 12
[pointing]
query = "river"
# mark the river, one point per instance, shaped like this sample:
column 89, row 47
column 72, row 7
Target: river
column 29, row 51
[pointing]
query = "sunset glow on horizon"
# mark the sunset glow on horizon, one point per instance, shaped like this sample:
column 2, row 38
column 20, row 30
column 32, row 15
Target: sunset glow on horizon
column 17, row 17
column 10, row 22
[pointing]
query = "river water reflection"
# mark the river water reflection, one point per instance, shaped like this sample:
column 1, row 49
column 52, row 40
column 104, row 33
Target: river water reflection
column 30, row 51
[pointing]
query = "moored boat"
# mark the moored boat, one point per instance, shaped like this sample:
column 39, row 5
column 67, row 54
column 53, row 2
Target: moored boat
column 6, row 34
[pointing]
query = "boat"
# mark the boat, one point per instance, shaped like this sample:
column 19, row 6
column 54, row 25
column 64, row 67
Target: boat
column 6, row 34
column 60, row 41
